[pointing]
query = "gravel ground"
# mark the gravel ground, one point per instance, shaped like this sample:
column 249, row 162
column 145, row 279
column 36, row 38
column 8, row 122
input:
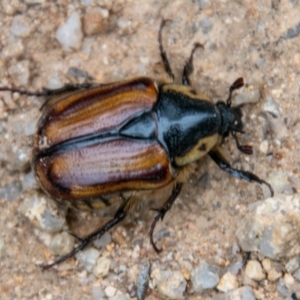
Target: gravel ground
column 217, row 220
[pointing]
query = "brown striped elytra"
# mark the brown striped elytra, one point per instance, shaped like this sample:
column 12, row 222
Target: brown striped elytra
column 121, row 143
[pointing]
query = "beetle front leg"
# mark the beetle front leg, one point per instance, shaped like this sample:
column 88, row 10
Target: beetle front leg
column 119, row 216
column 162, row 211
column 224, row 165
column 189, row 67
column 163, row 53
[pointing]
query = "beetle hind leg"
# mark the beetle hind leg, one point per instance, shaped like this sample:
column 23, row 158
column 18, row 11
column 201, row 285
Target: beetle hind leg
column 189, row 67
column 119, row 216
column 162, row 212
column 218, row 158
column 163, row 53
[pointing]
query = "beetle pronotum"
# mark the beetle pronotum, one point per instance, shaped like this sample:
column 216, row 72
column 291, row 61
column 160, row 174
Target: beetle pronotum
column 123, row 142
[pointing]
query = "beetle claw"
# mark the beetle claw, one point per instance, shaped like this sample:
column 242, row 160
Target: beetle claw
column 162, row 212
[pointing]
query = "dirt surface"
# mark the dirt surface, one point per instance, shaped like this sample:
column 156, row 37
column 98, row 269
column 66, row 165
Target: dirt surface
column 249, row 39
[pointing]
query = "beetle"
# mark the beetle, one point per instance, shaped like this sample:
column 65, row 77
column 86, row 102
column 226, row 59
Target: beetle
column 124, row 142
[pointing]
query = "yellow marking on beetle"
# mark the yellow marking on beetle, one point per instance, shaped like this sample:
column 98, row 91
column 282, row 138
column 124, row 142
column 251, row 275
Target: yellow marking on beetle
column 186, row 90
column 199, row 150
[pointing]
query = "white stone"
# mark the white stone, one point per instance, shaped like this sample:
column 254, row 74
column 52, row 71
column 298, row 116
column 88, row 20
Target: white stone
column 110, row 291
column 227, row 283
column 70, row 33
column 288, row 280
column 254, row 270
column 267, row 264
column 274, row 275
column 102, row 267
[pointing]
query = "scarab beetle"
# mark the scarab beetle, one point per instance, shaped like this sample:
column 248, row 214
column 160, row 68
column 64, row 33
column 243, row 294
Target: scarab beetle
column 120, row 143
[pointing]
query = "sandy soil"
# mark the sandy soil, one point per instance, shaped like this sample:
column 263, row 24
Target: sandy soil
column 241, row 38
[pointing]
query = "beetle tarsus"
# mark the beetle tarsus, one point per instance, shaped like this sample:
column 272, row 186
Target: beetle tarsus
column 119, row 216
column 246, row 149
column 189, row 67
column 235, row 86
column 162, row 212
column 76, row 237
column 163, row 53
column 248, row 176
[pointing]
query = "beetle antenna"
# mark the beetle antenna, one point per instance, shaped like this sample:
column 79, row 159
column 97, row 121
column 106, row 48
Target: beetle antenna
column 247, row 149
column 236, row 85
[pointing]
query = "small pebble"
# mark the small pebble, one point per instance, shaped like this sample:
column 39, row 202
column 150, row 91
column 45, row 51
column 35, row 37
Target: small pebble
column 20, row 26
column 97, row 292
column 35, row 1
column 29, row 182
column 103, row 241
column 174, row 286
column 254, row 270
column 11, row 191
column 279, row 181
column 88, row 258
column 274, row 275
column 110, row 291
column 186, row 268
column 70, row 33
column 121, row 297
column 43, row 212
column 102, row 267
column 243, row 293
column 1, row 247
column 204, row 276
column 271, row 107
column 251, row 94
column 13, row 50
column 143, row 281
column 96, row 20
column 62, row 244
column 264, row 146
column 281, row 288
column 270, row 225
column 288, row 280
column 236, row 267
column 206, row 26
column 297, row 274
column 293, row 264
column 227, row 283
column 267, row 264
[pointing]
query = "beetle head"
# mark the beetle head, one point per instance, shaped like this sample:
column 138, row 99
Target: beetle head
column 231, row 119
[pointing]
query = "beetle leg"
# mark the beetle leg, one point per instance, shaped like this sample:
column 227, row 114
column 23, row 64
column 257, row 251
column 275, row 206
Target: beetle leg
column 48, row 92
column 189, row 68
column 163, row 53
column 161, row 212
column 224, row 165
column 23, row 92
column 119, row 216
